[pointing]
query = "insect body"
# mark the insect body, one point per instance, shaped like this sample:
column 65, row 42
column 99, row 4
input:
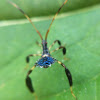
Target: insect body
column 46, row 59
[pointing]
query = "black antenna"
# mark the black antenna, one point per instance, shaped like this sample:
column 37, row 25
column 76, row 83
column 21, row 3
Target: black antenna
column 26, row 17
column 54, row 19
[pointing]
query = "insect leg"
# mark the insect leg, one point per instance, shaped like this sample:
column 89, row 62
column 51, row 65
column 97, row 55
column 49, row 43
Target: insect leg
column 28, row 59
column 29, row 82
column 68, row 74
column 54, row 43
column 61, row 47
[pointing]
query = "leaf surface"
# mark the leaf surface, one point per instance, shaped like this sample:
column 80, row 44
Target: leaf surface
column 78, row 31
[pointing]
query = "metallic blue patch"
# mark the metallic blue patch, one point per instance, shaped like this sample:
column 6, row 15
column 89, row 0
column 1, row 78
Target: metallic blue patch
column 46, row 61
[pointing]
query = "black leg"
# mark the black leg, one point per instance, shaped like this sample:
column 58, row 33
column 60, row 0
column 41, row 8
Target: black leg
column 68, row 74
column 61, row 47
column 32, row 55
column 56, row 41
column 28, row 59
column 29, row 82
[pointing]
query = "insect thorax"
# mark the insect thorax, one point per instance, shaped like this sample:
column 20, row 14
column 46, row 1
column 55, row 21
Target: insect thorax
column 45, row 49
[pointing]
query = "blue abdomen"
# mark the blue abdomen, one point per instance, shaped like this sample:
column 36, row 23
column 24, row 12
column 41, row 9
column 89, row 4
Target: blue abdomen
column 46, row 61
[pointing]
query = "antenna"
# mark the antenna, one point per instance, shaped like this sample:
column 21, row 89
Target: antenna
column 54, row 19
column 26, row 17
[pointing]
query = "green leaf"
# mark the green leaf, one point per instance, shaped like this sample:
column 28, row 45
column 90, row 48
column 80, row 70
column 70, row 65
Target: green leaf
column 79, row 31
column 40, row 7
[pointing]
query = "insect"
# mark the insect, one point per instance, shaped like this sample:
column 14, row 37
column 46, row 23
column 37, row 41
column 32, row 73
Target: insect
column 46, row 59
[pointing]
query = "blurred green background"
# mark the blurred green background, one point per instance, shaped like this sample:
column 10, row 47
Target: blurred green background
column 77, row 27
column 41, row 7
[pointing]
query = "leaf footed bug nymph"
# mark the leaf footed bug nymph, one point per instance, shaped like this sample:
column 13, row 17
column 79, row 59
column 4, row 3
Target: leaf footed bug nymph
column 46, row 59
